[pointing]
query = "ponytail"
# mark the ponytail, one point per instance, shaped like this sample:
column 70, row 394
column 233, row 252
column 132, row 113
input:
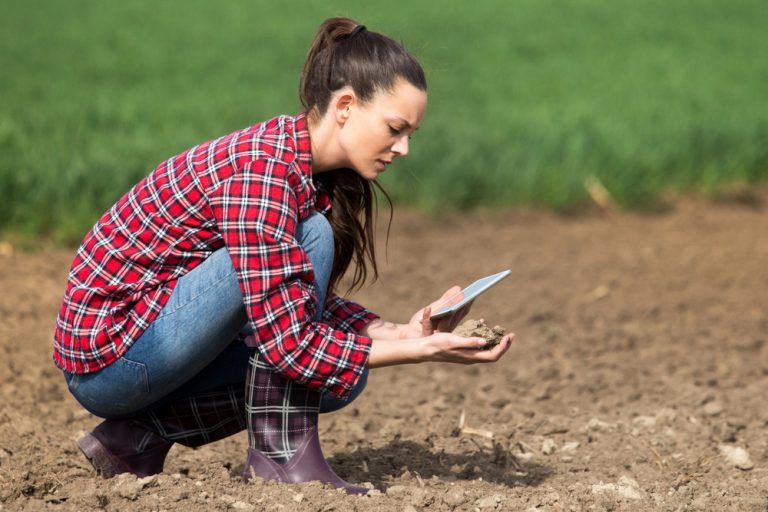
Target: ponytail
column 344, row 53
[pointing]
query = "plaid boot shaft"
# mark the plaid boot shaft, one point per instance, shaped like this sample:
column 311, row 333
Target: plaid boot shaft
column 279, row 412
column 200, row 419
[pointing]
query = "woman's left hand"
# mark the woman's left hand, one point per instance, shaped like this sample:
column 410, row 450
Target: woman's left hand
column 420, row 324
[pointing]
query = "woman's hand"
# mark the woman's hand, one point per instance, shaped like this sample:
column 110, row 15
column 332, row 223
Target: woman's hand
column 420, row 325
column 439, row 347
column 450, row 348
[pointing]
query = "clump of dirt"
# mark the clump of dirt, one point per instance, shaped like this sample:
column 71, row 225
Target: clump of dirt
column 492, row 335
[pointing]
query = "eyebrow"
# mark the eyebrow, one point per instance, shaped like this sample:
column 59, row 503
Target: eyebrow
column 407, row 124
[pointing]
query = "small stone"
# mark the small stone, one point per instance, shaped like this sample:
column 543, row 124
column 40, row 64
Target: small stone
column 226, row 498
column 298, row 498
column 626, row 488
column 737, row 456
column 569, row 447
column 713, row 408
column 548, row 447
column 596, row 424
column 128, row 490
column 567, row 459
column 241, row 505
column 454, row 497
column 629, row 488
column 396, row 490
column 666, row 415
column 644, row 421
column 147, row 481
column 489, row 502
column 410, row 508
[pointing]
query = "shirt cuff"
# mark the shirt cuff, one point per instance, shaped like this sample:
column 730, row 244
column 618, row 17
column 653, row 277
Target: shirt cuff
column 346, row 380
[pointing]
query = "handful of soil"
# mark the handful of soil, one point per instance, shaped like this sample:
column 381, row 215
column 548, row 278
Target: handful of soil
column 479, row 328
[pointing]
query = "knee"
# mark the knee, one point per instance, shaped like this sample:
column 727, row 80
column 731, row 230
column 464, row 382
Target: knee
column 316, row 230
column 315, row 235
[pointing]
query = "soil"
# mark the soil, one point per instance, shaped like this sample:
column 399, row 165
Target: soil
column 492, row 335
column 637, row 379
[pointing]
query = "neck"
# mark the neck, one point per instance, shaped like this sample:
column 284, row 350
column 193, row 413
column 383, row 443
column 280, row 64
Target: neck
column 323, row 136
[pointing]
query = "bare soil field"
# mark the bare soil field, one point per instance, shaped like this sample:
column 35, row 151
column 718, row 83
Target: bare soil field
column 639, row 370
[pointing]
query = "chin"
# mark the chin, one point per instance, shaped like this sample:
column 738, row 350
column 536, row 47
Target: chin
column 366, row 174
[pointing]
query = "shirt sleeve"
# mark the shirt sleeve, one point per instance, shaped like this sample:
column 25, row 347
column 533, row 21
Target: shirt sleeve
column 346, row 315
column 257, row 212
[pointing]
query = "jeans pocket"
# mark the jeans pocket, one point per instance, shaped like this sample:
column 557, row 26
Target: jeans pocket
column 117, row 390
column 134, row 374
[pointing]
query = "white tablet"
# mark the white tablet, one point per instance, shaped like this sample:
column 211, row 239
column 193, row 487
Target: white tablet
column 470, row 292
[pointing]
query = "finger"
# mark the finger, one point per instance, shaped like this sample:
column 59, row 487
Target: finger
column 499, row 350
column 451, row 296
column 474, row 343
column 426, row 323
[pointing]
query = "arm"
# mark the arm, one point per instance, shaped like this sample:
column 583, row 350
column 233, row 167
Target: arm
column 256, row 210
column 420, row 324
column 438, row 347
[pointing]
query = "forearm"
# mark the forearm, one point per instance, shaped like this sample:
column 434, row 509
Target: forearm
column 392, row 352
column 383, row 330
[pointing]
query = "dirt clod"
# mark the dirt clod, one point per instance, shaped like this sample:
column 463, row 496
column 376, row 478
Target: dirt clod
column 492, row 335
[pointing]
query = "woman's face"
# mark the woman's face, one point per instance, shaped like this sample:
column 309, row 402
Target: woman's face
column 376, row 132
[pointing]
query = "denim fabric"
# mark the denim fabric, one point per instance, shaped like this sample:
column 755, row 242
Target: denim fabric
column 189, row 347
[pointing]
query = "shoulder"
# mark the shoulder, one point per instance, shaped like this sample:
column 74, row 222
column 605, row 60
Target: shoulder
column 272, row 139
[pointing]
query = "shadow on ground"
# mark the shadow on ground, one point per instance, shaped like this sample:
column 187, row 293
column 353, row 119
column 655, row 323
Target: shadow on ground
column 381, row 465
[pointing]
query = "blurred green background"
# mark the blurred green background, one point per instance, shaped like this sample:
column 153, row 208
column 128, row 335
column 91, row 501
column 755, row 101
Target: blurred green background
column 527, row 97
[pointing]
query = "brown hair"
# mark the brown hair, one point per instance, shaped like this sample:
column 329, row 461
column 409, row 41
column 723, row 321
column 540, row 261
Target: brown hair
column 344, row 53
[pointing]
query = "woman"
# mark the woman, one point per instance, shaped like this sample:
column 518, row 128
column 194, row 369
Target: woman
column 203, row 302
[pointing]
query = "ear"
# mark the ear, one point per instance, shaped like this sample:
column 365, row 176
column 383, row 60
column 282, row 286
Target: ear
column 343, row 101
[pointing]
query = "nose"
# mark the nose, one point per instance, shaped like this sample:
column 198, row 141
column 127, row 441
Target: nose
column 401, row 146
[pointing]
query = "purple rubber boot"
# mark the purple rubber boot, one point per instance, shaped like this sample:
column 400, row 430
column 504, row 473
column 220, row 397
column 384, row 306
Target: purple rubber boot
column 139, row 445
column 124, row 446
column 282, row 431
column 307, row 464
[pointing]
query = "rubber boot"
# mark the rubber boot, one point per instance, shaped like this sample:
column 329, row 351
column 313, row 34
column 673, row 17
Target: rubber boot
column 140, row 444
column 124, row 446
column 282, row 431
column 307, row 464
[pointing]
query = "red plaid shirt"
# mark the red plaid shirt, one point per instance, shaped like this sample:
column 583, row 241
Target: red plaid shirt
column 247, row 190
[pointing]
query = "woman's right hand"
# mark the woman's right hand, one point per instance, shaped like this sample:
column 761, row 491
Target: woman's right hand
column 449, row 348
column 438, row 347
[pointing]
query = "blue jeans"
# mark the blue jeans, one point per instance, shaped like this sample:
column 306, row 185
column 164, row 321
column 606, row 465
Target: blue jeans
column 189, row 347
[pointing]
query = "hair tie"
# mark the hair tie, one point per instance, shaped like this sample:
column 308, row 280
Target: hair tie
column 356, row 31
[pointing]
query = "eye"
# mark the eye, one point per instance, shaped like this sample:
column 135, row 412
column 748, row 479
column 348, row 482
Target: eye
column 394, row 131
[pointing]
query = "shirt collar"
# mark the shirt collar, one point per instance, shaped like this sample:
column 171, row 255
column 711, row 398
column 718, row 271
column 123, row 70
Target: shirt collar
column 319, row 199
column 303, row 144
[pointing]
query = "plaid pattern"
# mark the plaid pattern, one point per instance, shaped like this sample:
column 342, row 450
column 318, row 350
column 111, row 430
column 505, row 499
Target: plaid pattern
column 199, row 419
column 247, row 190
column 279, row 412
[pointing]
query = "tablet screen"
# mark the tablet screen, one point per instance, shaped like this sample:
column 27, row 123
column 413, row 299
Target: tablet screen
column 472, row 291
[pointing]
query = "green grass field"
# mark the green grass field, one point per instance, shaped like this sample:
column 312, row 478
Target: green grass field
column 527, row 97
